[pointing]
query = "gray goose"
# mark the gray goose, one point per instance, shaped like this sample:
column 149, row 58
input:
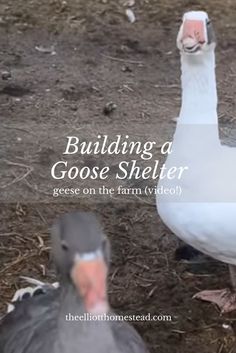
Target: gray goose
column 38, row 324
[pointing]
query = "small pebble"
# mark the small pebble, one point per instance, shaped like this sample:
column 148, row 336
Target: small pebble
column 226, row 326
column 109, row 108
column 6, row 75
column 46, row 50
column 126, row 68
column 131, row 16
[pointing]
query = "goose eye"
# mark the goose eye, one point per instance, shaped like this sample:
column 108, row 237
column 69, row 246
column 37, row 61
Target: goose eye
column 64, row 246
column 208, row 22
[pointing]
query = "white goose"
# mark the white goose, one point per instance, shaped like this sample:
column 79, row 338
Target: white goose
column 204, row 215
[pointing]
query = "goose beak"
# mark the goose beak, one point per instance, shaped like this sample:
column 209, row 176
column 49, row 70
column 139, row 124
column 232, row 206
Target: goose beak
column 89, row 278
column 194, row 35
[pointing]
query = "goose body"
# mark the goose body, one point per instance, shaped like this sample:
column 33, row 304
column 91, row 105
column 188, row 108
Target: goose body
column 192, row 223
column 33, row 327
column 42, row 323
column 204, row 213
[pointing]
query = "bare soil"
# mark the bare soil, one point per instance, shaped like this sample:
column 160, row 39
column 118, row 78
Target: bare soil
column 100, row 57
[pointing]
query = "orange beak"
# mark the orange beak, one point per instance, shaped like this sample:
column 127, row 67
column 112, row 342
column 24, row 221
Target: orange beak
column 89, row 277
column 194, row 29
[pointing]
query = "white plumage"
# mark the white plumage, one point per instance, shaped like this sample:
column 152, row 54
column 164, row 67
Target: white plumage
column 204, row 215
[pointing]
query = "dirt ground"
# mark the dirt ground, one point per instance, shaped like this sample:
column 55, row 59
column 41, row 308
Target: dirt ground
column 100, row 57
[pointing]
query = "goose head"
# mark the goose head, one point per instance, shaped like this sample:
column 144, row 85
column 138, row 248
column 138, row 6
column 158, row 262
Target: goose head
column 81, row 253
column 196, row 34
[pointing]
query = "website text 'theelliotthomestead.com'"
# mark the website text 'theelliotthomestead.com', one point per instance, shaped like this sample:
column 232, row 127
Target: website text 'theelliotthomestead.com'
column 115, row 317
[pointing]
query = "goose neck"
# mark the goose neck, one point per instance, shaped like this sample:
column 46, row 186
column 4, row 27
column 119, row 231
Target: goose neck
column 76, row 328
column 199, row 95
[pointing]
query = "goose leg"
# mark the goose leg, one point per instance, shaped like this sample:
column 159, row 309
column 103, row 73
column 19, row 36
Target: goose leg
column 225, row 299
column 232, row 272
